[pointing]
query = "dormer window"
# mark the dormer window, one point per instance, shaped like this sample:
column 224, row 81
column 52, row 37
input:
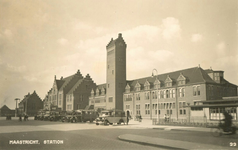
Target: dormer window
column 102, row 91
column 181, row 80
column 168, row 82
column 97, row 92
column 92, row 93
column 147, row 85
column 128, row 88
column 156, row 84
column 137, row 86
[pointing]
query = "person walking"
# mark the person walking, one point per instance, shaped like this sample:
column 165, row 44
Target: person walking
column 20, row 119
column 165, row 118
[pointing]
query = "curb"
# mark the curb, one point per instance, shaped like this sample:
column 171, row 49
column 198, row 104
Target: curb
column 166, row 143
column 168, row 129
column 149, row 144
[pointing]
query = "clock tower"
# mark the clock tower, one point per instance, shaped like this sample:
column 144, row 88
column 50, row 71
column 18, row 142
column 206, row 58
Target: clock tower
column 116, row 73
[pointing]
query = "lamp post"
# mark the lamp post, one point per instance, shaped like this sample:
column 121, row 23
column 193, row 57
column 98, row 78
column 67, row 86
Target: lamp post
column 16, row 99
column 157, row 94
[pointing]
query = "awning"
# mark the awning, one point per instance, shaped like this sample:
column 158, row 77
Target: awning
column 213, row 105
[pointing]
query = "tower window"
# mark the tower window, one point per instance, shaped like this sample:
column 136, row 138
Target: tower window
column 112, row 71
column 110, row 99
column 107, row 85
column 108, row 66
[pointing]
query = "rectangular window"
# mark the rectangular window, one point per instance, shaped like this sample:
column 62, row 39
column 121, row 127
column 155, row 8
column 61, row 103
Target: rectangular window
column 97, row 101
column 138, row 109
column 147, row 109
column 110, row 99
column 194, row 91
column 198, row 90
column 180, row 92
column 138, row 96
column 183, row 92
column 127, row 106
column 162, row 94
column 171, row 93
column 181, row 111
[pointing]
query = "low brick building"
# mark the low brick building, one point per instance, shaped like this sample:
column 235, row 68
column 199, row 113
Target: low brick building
column 4, row 111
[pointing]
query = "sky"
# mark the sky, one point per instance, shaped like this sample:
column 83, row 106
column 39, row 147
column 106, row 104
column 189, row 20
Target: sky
column 41, row 39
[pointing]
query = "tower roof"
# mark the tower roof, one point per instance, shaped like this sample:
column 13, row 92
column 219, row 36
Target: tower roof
column 118, row 40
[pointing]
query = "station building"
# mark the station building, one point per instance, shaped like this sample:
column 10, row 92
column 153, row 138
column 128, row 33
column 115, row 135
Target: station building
column 174, row 93
column 187, row 94
column 69, row 93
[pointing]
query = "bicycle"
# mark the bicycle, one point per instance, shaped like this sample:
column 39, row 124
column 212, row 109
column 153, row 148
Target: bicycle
column 221, row 130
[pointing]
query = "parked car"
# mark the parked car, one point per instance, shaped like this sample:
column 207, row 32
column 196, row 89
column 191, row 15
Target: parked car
column 111, row 116
column 89, row 115
column 76, row 116
column 66, row 118
column 54, row 115
column 46, row 115
column 40, row 115
column 62, row 114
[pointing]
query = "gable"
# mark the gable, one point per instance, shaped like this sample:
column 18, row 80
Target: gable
column 181, row 77
column 147, row 83
column 137, row 84
column 157, row 82
column 168, row 79
column 128, row 86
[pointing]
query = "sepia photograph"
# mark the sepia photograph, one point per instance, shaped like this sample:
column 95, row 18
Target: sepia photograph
column 118, row 74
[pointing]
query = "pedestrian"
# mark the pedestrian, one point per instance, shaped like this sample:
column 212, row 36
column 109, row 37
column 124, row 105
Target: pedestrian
column 140, row 118
column 27, row 117
column 165, row 117
column 20, row 117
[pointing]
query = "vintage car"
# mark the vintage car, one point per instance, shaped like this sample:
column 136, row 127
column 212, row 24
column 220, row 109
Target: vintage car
column 62, row 114
column 54, row 115
column 89, row 115
column 67, row 117
column 76, row 116
column 39, row 115
column 46, row 116
column 111, row 116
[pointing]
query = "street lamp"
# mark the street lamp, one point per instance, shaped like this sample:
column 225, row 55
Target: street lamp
column 16, row 99
column 157, row 94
